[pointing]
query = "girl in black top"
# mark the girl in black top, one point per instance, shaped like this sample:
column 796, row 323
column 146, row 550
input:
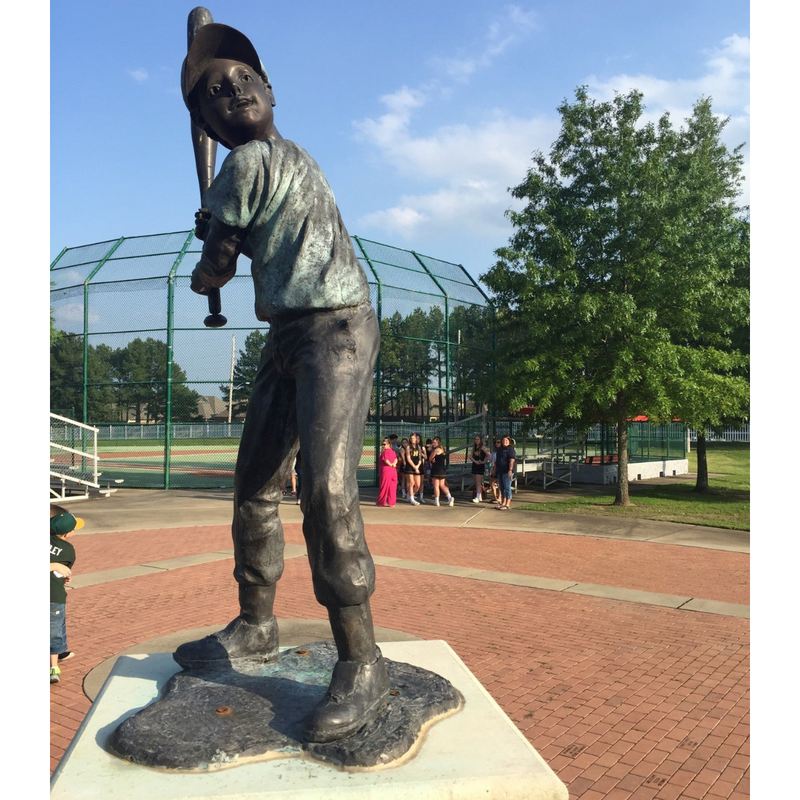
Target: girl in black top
column 402, row 474
column 437, row 458
column 415, row 466
column 479, row 457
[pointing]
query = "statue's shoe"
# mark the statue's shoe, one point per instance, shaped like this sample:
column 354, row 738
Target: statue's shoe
column 241, row 642
column 356, row 693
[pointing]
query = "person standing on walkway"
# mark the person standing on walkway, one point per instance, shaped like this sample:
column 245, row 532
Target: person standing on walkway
column 427, row 477
column 387, row 473
column 438, row 459
column 402, row 477
column 494, row 486
column 504, row 467
column 479, row 456
column 415, row 466
column 62, row 559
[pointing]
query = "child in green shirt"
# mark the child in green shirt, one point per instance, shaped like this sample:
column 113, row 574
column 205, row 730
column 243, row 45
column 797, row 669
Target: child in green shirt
column 62, row 559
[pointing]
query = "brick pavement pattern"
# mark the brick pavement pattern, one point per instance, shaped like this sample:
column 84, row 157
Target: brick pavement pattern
column 622, row 700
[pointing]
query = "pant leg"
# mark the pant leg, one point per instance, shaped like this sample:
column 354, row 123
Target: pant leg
column 266, row 455
column 331, row 355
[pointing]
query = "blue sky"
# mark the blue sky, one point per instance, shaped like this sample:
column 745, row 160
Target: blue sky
column 421, row 114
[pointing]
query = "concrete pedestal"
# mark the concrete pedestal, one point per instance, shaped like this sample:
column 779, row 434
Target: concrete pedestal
column 476, row 753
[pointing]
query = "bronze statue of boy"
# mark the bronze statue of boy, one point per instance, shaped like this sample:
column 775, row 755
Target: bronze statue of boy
column 271, row 202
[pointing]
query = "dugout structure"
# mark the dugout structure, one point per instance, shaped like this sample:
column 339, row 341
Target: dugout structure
column 135, row 360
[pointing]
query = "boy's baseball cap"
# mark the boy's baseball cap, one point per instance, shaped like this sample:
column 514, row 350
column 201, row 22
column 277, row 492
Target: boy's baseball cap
column 216, row 41
column 64, row 523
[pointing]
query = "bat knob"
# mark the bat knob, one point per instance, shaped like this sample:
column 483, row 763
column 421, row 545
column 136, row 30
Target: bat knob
column 214, row 318
column 215, row 321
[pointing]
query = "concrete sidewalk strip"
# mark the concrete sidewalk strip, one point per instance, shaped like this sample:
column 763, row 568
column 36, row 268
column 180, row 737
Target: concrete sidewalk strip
column 109, row 575
column 425, row 566
column 530, row 581
column 472, row 573
column 120, row 573
column 717, row 607
column 629, row 595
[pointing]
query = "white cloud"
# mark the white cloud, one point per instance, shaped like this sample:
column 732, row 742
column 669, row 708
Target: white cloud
column 473, row 165
column 138, row 75
column 726, row 81
column 512, row 27
column 67, row 313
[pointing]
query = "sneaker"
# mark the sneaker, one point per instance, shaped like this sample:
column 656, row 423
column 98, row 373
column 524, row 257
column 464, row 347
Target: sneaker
column 65, row 656
column 421, row 500
column 451, row 501
column 476, row 499
column 436, row 501
column 55, row 674
column 413, row 502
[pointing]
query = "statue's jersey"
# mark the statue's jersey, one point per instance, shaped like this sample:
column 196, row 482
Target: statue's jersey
column 303, row 259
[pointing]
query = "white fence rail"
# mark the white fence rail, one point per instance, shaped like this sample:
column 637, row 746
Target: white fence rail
column 73, row 457
column 725, row 435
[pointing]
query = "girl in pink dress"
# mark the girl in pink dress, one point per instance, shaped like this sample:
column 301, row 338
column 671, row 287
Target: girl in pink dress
column 387, row 473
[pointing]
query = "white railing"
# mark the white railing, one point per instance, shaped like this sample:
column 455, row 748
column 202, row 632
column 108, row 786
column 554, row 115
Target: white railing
column 73, row 455
column 725, row 435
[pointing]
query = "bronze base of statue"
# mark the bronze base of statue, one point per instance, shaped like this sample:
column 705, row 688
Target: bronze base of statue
column 220, row 716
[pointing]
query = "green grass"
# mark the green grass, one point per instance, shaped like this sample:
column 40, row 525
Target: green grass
column 725, row 505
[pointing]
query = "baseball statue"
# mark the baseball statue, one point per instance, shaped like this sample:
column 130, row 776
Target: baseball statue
column 271, row 202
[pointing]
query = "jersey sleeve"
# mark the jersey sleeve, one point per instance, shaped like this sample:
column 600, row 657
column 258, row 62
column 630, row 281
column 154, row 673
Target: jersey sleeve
column 235, row 195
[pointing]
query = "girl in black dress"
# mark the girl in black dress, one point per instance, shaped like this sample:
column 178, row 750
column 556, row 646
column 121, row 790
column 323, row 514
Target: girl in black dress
column 415, row 467
column 438, row 457
column 479, row 457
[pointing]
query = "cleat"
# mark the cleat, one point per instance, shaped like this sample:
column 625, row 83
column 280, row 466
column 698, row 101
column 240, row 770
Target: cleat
column 355, row 696
column 241, row 642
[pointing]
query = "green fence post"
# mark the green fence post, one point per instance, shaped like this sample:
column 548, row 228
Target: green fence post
column 170, row 341
column 378, row 370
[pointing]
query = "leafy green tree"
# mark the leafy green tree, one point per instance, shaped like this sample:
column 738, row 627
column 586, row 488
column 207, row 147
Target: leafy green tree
column 717, row 393
column 617, row 256
column 471, row 357
column 140, row 376
column 66, row 378
column 54, row 332
column 245, row 370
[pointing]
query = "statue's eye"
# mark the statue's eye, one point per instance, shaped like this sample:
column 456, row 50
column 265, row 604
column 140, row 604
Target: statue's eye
column 212, row 91
column 246, row 76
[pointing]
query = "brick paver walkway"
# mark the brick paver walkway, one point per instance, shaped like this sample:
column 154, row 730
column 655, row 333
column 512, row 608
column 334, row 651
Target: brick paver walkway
column 623, row 700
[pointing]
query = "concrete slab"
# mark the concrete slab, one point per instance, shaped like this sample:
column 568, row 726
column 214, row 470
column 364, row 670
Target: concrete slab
column 425, row 566
column 107, row 575
column 188, row 561
column 716, row 607
column 476, row 753
column 515, row 579
column 629, row 595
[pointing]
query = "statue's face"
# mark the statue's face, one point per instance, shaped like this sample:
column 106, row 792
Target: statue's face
column 235, row 102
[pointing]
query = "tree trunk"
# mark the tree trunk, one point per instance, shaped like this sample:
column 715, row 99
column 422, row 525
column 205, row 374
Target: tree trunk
column 702, row 465
column 623, row 495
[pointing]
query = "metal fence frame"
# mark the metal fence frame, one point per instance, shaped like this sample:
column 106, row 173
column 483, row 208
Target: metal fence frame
column 400, row 280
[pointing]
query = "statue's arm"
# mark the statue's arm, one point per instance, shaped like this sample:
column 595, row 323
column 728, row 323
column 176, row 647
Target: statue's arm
column 221, row 247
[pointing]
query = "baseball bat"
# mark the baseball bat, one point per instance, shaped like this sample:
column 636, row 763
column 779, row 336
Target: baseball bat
column 205, row 158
